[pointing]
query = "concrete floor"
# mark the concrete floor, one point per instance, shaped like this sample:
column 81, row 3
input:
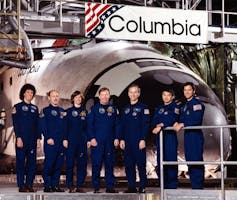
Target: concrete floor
column 9, row 191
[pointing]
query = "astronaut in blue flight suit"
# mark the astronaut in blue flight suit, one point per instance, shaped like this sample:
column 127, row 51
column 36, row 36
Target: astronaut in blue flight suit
column 191, row 115
column 103, row 134
column 52, row 125
column 25, row 121
column 166, row 115
column 134, row 130
column 77, row 143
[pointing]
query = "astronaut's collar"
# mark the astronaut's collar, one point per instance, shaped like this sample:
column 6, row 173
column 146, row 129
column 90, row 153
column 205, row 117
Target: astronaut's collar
column 27, row 103
column 104, row 104
column 188, row 100
column 169, row 103
column 55, row 106
column 78, row 106
column 134, row 103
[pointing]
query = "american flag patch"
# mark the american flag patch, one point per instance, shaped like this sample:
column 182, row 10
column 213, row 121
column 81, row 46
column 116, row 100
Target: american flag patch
column 95, row 16
column 14, row 110
column 176, row 111
column 146, row 112
column 197, row 107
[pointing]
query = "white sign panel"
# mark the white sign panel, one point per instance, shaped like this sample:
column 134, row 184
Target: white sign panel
column 145, row 23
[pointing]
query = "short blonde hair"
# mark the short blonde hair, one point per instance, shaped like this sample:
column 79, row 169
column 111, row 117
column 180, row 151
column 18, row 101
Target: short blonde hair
column 135, row 85
column 103, row 89
column 50, row 91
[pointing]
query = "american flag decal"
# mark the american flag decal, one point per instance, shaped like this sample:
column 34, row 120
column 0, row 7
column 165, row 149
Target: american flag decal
column 95, row 15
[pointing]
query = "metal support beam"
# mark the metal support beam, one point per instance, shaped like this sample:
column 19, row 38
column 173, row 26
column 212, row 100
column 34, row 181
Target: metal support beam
column 61, row 14
column 7, row 14
column 12, row 49
column 223, row 18
column 222, row 164
column 161, row 166
column 209, row 7
column 19, row 20
column 11, row 36
column 195, row 4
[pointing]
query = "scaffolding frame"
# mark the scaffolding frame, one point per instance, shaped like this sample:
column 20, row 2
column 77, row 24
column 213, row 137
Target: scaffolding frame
column 7, row 5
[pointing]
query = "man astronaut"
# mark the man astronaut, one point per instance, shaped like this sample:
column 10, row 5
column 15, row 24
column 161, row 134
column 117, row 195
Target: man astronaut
column 192, row 115
column 103, row 134
column 134, row 130
column 166, row 115
column 52, row 125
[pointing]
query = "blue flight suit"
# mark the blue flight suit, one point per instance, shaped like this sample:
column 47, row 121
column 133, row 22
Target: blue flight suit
column 134, row 128
column 25, row 121
column 52, row 123
column 191, row 115
column 103, row 125
column 168, row 115
column 77, row 145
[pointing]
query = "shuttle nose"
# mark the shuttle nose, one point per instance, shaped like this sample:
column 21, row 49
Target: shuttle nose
column 119, row 64
column 153, row 76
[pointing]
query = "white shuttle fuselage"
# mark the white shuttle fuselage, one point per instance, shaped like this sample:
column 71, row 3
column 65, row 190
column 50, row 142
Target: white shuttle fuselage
column 115, row 65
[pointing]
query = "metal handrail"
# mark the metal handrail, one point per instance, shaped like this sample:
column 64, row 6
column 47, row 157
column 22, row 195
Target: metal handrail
column 222, row 163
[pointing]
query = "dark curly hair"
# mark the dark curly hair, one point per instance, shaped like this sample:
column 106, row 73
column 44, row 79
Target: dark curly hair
column 25, row 87
column 75, row 93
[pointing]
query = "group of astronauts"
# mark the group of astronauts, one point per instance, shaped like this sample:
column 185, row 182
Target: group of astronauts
column 69, row 133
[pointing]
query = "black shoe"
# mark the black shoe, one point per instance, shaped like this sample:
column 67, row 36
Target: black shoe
column 57, row 189
column 131, row 190
column 111, row 191
column 97, row 191
column 80, row 190
column 142, row 190
column 31, row 189
column 23, row 189
column 48, row 189
column 71, row 189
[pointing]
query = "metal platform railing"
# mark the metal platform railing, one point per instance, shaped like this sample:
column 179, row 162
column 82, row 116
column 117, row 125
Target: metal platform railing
column 222, row 163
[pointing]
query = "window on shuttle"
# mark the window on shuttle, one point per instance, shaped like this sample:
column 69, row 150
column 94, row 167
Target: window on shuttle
column 10, row 81
column 148, row 63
